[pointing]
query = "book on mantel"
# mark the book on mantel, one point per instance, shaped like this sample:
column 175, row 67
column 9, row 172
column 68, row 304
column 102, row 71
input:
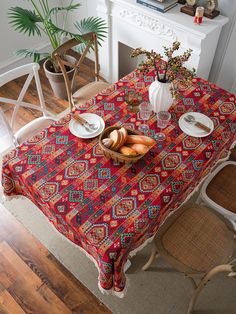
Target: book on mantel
column 158, row 6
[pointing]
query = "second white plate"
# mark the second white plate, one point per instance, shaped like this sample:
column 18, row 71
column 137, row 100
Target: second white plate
column 191, row 129
column 78, row 130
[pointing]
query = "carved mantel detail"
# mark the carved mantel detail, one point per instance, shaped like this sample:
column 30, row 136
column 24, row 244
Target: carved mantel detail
column 103, row 6
column 148, row 23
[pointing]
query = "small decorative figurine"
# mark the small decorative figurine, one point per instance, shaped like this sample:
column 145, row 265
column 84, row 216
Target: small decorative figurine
column 190, row 7
column 198, row 15
column 211, row 9
column 211, row 5
column 191, row 2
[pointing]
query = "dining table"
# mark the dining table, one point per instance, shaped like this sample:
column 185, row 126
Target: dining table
column 112, row 209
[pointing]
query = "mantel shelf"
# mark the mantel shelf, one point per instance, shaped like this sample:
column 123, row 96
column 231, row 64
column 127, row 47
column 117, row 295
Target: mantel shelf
column 177, row 18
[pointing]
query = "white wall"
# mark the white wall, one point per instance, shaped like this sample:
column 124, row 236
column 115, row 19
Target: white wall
column 82, row 12
column 223, row 70
column 227, row 72
column 87, row 9
column 12, row 40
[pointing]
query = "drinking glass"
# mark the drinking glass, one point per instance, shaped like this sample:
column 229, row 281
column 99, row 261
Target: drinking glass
column 145, row 111
column 133, row 98
column 163, row 117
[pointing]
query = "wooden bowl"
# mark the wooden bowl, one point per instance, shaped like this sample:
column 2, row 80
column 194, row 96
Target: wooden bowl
column 110, row 154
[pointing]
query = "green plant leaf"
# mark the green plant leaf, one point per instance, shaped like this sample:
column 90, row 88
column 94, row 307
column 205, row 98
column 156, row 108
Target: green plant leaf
column 71, row 7
column 92, row 24
column 34, row 54
column 24, row 21
column 54, row 29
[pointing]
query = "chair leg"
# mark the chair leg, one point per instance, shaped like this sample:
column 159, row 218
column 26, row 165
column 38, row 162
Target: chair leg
column 199, row 200
column 193, row 282
column 127, row 265
column 151, row 258
column 204, row 281
column 234, row 224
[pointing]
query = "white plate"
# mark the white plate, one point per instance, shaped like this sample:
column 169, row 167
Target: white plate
column 191, row 129
column 78, row 130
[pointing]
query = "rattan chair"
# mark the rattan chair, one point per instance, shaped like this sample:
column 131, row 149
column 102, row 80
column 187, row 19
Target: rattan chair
column 197, row 242
column 88, row 91
column 219, row 190
column 8, row 136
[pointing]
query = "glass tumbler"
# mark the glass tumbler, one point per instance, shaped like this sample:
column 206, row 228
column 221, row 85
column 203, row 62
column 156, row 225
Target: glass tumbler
column 133, row 98
column 145, row 111
column 163, row 118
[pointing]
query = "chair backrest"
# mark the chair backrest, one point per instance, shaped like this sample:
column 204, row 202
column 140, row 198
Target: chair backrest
column 7, row 139
column 218, row 190
column 7, row 130
column 31, row 70
column 90, row 41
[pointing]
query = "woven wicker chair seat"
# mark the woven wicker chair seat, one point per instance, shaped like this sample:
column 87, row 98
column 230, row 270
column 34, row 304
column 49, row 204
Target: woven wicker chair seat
column 196, row 241
column 88, row 91
column 222, row 188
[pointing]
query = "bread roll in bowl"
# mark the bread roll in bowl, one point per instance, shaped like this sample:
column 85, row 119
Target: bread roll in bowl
column 128, row 156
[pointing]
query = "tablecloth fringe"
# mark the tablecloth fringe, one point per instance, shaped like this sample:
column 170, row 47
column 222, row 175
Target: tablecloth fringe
column 119, row 294
column 6, row 198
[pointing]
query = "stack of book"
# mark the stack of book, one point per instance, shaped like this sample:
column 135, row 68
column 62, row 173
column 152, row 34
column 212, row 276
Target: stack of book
column 158, row 6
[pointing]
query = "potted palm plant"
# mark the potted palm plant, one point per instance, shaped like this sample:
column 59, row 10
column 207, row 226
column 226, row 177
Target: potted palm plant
column 44, row 19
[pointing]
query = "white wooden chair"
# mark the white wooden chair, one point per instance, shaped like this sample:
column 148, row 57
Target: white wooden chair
column 7, row 136
column 7, row 139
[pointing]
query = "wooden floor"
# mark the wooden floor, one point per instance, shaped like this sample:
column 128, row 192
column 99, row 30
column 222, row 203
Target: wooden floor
column 31, row 279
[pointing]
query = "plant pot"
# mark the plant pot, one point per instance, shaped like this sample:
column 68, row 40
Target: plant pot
column 56, row 80
column 160, row 96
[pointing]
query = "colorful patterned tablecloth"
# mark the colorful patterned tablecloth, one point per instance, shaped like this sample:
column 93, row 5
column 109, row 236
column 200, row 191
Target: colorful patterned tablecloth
column 110, row 209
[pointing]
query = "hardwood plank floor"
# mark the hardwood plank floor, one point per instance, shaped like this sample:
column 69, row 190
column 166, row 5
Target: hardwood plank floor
column 33, row 281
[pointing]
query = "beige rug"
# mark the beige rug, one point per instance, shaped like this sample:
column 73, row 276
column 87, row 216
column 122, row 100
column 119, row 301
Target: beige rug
column 161, row 290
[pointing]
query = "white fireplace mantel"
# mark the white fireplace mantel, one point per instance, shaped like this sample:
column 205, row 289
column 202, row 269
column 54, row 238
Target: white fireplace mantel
column 135, row 26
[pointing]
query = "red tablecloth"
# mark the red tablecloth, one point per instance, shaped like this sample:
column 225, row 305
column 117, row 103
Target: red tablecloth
column 110, row 209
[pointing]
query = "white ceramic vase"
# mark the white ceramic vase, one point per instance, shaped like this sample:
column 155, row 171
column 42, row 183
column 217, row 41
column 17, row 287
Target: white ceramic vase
column 160, row 96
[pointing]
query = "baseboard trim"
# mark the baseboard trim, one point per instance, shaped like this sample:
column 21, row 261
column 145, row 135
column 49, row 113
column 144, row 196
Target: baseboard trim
column 233, row 89
column 15, row 62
